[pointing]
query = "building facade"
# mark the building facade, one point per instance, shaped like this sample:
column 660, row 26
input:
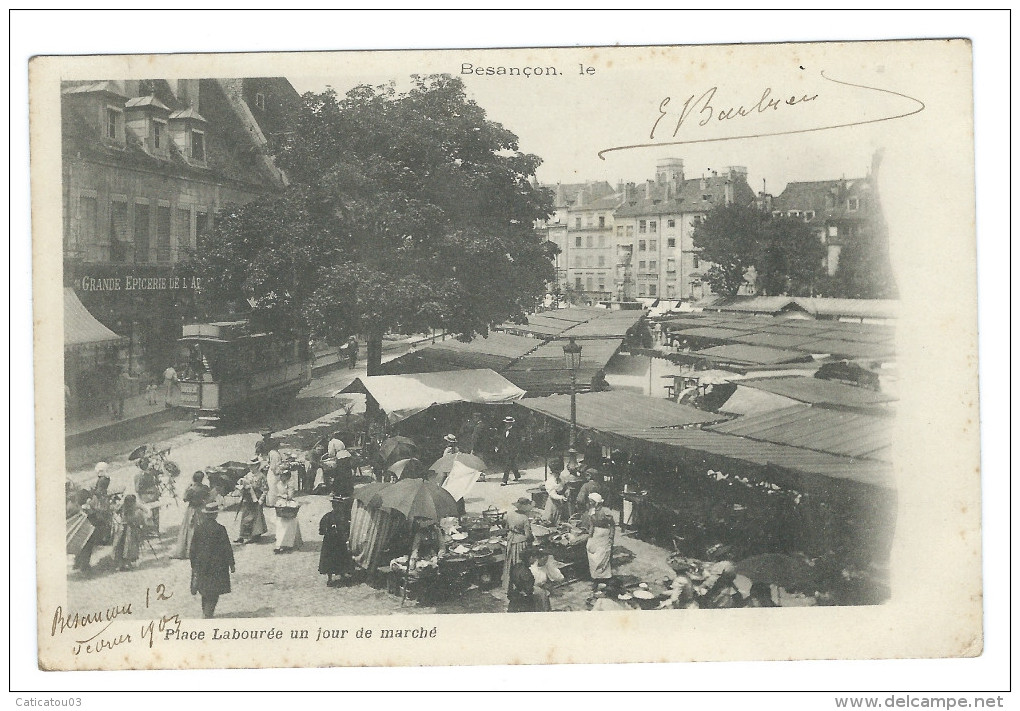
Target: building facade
column 837, row 210
column 147, row 165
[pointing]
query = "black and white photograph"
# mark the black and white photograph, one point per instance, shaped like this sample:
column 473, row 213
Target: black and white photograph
column 424, row 357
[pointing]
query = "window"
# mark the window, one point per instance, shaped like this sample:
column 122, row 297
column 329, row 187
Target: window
column 141, row 232
column 163, row 233
column 112, row 124
column 602, row 221
column 619, row 231
column 183, row 228
column 641, row 266
column 120, row 236
column 652, row 289
column 652, row 226
column 697, row 262
column 602, row 260
column 201, row 227
column 198, row 145
column 671, row 242
column 642, row 226
column 158, row 134
column 641, row 245
column 809, row 215
column 577, row 283
column 670, row 223
column 670, row 291
column 602, row 284
column 707, row 197
column 653, row 265
column 641, row 290
column 852, row 204
column 630, row 230
column 589, row 261
column 833, row 230
column 577, row 239
column 589, row 242
column 671, row 266
column 589, row 283
column 260, row 101
column 602, row 240
column 577, row 224
column 87, row 226
column 653, row 245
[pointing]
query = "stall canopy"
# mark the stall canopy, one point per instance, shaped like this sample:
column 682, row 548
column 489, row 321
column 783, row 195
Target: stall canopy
column 401, row 396
column 81, row 328
column 851, row 434
column 816, row 391
column 619, row 412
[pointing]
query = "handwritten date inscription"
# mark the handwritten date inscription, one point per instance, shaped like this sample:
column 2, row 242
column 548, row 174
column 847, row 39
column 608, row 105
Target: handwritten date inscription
column 93, row 625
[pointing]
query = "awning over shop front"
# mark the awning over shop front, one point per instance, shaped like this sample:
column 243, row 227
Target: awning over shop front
column 402, row 396
column 81, row 328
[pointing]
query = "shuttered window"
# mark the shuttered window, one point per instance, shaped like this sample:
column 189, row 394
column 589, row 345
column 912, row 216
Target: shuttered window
column 120, row 232
column 183, row 229
column 163, row 233
column 141, row 233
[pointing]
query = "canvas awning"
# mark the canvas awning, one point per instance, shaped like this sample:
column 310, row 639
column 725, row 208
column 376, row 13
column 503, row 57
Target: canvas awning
column 81, row 328
column 402, row 396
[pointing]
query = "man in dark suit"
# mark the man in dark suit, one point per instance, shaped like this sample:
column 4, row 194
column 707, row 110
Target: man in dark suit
column 212, row 560
column 510, row 445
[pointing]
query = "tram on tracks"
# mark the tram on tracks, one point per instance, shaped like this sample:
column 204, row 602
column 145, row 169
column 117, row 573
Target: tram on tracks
column 232, row 369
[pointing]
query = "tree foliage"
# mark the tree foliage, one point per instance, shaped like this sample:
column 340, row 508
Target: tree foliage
column 784, row 253
column 405, row 211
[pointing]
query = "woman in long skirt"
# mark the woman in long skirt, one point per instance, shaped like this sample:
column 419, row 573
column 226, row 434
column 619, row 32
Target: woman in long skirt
column 288, row 532
column 128, row 533
column 601, row 531
column 195, row 496
column 251, row 489
column 546, row 575
column 335, row 556
column 556, row 501
column 518, row 538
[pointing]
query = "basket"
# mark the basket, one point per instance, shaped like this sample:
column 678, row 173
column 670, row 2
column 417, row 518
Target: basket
column 287, row 511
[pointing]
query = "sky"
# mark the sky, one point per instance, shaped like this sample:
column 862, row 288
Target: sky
column 567, row 120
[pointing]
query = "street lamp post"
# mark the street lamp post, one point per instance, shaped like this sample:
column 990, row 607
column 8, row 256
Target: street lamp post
column 572, row 356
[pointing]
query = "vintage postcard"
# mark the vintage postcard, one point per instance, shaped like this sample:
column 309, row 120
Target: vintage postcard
column 517, row 356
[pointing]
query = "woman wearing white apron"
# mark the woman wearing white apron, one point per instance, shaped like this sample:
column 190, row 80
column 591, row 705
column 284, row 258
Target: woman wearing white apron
column 601, row 532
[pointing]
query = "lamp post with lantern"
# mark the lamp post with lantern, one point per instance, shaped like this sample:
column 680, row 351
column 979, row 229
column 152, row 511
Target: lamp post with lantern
column 572, row 357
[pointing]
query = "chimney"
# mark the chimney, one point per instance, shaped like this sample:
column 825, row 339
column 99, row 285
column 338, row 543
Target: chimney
column 619, row 186
column 648, row 189
column 580, row 197
column 728, row 191
column 561, row 195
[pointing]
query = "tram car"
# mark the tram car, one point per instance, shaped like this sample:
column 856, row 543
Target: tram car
column 232, row 368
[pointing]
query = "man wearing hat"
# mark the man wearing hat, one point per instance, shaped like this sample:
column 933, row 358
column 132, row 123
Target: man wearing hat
column 251, row 487
column 510, row 444
column 212, row 560
column 335, row 556
column 451, row 445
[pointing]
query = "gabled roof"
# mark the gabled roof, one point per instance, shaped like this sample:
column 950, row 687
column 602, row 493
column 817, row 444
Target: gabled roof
column 187, row 114
column 98, row 87
column 145, row 101
column 689, row 198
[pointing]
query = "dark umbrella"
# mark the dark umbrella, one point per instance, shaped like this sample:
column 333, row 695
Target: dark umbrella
column 407, row 469
column 138, row 452
column 394, row 449
column 366, row 492
column 444, row 464
column 416, row 499
column 778, row 569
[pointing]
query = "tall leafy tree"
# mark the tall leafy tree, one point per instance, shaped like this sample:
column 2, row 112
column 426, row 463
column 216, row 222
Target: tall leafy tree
column 406, row 211
column 728, row 238
column 790, row 258
column 784, row 253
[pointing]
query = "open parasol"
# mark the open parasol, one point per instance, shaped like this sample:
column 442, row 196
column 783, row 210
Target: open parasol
column 394, row 449
column 366, row 492
column 138, row 452
column 407, row 469
column 444, row 464
column 415, row 499
column 778, row 569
